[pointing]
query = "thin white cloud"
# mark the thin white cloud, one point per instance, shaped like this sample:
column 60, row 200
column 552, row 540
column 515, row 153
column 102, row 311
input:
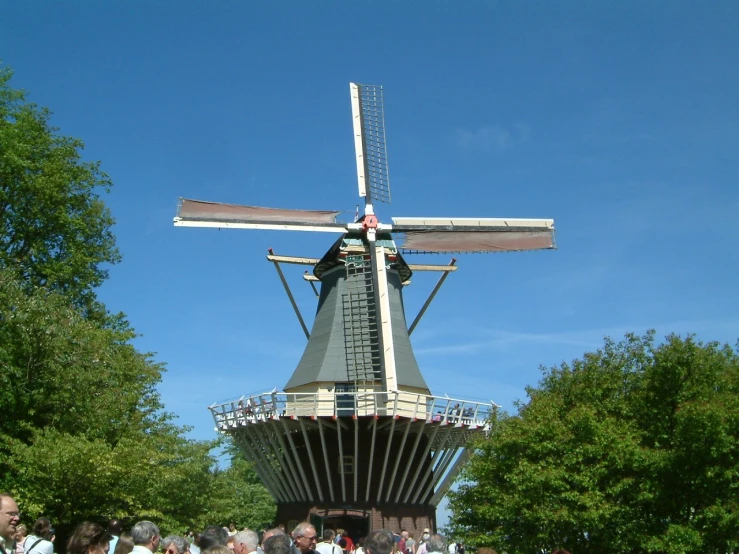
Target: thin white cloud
column 495, row 137
column 497, row 340
column 500, row 340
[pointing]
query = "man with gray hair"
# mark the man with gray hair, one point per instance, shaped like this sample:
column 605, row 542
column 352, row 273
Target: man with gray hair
column 381, row 541
column 278, row 543
column 304, row 538
column 245, row 542
column 436, row 543
column 145, row 537
column 174, row 544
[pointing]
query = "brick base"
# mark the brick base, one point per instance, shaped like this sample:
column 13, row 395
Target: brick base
column 359, row 521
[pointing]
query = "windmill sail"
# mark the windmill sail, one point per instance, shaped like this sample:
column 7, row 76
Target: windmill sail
column 198, row 213
column 437, row 235
column 368, row 114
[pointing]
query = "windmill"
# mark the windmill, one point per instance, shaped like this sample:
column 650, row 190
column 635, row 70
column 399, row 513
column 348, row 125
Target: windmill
column 356, row 439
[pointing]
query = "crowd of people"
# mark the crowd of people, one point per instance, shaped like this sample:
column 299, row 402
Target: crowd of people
column 145, row 538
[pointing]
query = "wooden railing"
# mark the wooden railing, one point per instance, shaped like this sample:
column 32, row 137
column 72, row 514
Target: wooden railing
column 275, row 405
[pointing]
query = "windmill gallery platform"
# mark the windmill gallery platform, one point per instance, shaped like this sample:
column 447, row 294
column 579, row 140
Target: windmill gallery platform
column 356, row 440
column 352, row 460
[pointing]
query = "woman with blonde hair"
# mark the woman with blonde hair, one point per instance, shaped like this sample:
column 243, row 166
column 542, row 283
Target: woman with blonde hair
column 21, row 532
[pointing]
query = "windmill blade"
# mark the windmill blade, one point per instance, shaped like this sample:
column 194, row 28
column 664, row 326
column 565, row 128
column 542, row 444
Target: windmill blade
column 368, row 116
column 198, row 213
column 447, row 235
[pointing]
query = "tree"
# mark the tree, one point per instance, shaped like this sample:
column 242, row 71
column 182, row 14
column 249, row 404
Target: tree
column 633, row 448
column 83, row 432
column 88, row 437
column 64, row 371
column 55, row 231
column 239, row 496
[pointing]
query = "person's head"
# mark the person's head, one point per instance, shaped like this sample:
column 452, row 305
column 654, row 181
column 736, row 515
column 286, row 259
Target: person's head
column 305, row 537
column 404, row 534
column 426, row 534
column 146, row 533
column 328, row 535
column 124, row 544
column 212, row 536
column 245, row 542
column 230, row 543
column 486, row 550
column 115, row 527
column 279, row 543
column 381, row 541
column 9, row 516
column 42, row 528
column 272, row 533
column 436, row 543
column 21, row 531
column 174, row 544
column 217, row 549
column 89, row 538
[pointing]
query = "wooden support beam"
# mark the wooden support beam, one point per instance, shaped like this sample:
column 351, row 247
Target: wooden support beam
column 292, row 259
column 313, row 261
column 433, row 267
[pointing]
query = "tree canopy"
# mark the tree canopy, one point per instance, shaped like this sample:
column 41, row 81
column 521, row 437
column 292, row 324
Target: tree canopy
column 633, row 448
column 83, row 432
column 55, row 230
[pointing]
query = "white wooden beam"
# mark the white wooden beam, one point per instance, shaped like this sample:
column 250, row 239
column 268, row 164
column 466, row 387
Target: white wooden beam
column 341, row 462
column 371, row 457
column 446, row 484
column 398, row 457
column 316, row 475
column 401, row 485
column 388, row 449
column 385, row 327
column 325, row 460
column 178, row 222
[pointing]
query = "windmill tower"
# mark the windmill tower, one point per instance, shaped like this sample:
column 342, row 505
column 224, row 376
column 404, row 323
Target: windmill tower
column 356, row 440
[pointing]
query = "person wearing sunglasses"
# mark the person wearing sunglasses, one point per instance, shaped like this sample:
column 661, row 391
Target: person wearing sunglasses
column 304, row 539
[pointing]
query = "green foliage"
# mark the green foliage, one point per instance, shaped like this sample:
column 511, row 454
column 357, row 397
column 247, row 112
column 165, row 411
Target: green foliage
column 634, row 448
column 55, row 231
column 88, row 438
column 83, row 433
column 87, row 434
column 64, row 371
column 240, row 497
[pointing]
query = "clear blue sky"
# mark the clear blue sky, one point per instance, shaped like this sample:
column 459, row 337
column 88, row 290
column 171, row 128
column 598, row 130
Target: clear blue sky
column 619, row 120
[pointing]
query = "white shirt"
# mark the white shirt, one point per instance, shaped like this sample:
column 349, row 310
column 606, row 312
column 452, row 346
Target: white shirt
column 328, row 548
column 43, row 547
